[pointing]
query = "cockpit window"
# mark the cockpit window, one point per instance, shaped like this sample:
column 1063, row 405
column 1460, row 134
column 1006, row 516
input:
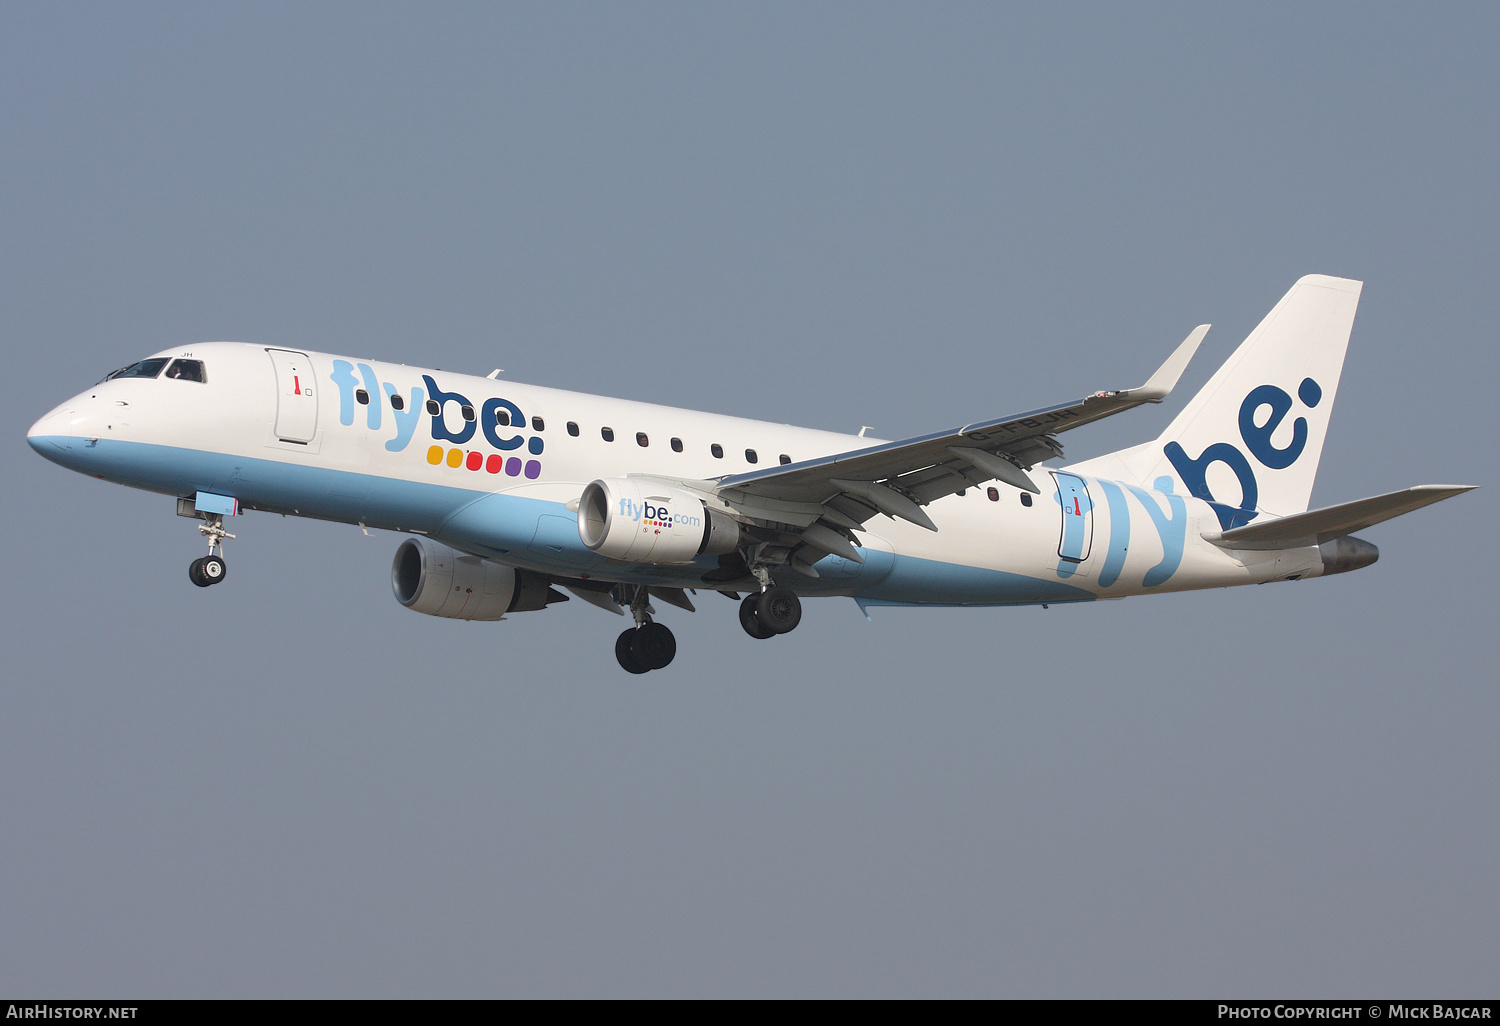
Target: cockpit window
column 187, row 370
column 144, row 369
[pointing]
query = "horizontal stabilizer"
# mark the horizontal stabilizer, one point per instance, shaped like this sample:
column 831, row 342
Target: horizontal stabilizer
column 1323, row 525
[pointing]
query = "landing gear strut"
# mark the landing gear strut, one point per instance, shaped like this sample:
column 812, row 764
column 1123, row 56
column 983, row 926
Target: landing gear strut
column 210, row 569
column 647, row 646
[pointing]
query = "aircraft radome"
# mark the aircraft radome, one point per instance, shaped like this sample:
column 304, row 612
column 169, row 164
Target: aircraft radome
column 510, row 492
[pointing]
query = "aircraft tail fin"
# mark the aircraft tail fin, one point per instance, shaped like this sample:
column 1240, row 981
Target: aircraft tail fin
column 1249, row 441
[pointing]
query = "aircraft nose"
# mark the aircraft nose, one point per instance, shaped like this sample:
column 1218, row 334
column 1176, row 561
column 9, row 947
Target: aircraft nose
column 36, row 437
column 52, row 432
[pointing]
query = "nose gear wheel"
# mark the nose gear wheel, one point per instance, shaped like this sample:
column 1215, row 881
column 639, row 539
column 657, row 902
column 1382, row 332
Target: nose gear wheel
column 206, row 570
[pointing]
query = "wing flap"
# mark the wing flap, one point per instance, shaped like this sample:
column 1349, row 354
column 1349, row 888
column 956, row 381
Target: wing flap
column 674, row 597
column 595, row 595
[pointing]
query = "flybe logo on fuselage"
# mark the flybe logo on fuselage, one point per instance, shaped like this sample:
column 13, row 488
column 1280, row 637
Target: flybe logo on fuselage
column 495, row 419
column 1257, row 438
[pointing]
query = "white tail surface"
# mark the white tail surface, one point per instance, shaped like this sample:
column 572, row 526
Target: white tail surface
column 1249, row 441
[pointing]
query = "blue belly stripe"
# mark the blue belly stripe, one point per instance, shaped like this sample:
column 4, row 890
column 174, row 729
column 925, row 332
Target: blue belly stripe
column 508, row 527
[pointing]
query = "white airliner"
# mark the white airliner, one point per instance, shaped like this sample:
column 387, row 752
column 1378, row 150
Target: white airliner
column 512, row 491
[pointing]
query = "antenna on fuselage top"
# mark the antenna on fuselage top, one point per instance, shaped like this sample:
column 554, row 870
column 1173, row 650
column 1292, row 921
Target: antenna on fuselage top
column 495, row 373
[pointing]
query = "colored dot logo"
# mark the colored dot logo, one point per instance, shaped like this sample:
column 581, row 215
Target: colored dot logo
column 474, row 460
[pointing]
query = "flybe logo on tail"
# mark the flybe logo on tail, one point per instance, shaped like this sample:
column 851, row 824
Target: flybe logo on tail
column 1257, row 439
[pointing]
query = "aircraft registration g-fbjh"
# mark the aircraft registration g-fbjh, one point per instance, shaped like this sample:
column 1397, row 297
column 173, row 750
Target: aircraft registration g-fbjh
column 511, row 492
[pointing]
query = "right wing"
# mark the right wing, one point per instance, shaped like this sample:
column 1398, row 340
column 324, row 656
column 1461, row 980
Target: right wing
column 811, row 508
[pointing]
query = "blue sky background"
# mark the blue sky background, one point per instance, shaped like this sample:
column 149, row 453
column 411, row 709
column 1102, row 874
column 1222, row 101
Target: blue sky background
column 899, row 215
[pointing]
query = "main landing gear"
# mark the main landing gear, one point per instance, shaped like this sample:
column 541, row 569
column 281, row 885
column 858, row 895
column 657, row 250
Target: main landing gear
column 648, row 645
column 210, row 569
column 773, row 610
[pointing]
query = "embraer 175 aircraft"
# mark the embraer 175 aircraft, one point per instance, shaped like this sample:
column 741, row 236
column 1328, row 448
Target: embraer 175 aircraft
column 512, row 491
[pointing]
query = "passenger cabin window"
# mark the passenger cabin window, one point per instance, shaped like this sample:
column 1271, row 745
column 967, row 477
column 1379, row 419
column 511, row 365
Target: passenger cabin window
column 362, row 397
column 537, row 424
column 641, row 439
column 750, row 456
column 502, row 417
column 608, row 434
column 573, row 428
column 785, row 459
column 993, row 493
column 397, row 403
column 142, row 369
column 433, row 408
column 1026, row 498
column 717, row 450
column 676, row 445
column 468, row 411
column 187, row 370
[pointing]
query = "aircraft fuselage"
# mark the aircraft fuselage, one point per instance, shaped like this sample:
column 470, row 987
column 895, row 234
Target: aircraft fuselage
column 498, row 470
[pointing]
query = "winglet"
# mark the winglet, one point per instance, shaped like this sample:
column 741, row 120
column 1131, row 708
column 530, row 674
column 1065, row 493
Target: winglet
column 1165, row 379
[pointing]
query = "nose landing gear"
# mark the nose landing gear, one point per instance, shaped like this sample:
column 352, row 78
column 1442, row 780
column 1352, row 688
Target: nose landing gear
column 210, row 569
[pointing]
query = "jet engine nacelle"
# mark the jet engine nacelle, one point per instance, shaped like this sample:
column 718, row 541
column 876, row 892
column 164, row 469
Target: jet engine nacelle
column 642, row 521
column 440, row 581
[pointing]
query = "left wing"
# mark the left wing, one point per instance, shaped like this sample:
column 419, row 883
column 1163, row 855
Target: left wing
column 821, row 501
